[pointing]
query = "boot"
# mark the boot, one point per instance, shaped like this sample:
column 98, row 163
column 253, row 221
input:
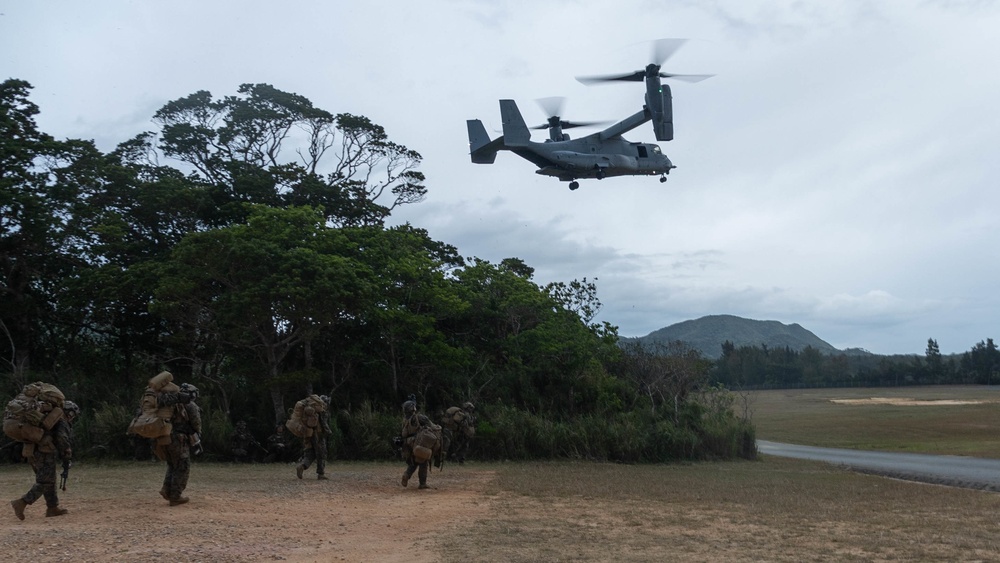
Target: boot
column 405, row 480
column 19, row 506
column 164, row 494
column 178, row 500
column 298, row 470
column 424, row 486
column 55, row 511
column 322, row 477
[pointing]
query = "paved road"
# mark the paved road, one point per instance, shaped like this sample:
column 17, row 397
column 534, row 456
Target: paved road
column 955, row 471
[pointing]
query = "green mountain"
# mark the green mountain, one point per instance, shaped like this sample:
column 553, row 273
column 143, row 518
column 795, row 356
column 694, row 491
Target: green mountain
column 708, row 333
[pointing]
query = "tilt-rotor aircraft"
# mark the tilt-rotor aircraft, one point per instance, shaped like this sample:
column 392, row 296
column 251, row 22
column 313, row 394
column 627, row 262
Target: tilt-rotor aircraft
column 599, row 155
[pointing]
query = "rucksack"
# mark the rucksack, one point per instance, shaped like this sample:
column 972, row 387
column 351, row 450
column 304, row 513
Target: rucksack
column 456, row 419
column 153, row 421
column 426, row 443
column 37, row 408
column 305, row 416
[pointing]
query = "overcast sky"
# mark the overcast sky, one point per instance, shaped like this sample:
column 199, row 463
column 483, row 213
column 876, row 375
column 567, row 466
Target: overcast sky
column 840, row 171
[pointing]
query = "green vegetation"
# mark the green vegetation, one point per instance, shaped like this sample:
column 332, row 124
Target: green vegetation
column 243, row 246
column 810, row 417
column 761, row 367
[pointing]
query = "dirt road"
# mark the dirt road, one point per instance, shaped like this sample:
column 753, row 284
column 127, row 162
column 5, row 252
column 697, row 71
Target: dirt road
column 242, row 513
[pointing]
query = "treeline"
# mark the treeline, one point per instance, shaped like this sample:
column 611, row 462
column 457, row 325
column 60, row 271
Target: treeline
column 258, row 266
column 755, row 367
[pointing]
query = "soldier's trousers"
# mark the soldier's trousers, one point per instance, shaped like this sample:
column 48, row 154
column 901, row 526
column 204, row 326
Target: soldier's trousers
column 177, row 454
column 44, row 465
column 314, row 449
column 412, row 466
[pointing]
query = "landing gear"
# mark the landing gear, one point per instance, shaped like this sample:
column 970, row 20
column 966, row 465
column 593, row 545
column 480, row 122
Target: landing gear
column 663, row 178
column 574, row 185
column 600, row 175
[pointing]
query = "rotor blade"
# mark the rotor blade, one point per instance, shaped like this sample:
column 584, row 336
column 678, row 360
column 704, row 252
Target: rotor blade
column 552, row 106
column 636, row 76
column 572, row 124
column 686, row 77
column 663, row 49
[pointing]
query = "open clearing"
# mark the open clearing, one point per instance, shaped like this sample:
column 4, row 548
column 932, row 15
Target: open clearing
column 775, row 509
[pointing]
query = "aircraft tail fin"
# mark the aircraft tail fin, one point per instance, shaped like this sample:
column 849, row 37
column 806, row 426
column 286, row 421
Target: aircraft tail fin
column 515, row 130
column 481, row 148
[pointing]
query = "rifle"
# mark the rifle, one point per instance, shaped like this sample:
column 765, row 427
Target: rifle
column 65, row 473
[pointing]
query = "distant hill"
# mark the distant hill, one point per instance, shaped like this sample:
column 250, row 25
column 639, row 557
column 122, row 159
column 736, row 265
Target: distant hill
column 708, row 333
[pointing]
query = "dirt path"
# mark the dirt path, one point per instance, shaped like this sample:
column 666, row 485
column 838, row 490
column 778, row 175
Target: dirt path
column 243, row 513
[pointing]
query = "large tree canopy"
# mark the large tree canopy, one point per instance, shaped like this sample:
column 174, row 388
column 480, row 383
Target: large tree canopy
column 241, row 148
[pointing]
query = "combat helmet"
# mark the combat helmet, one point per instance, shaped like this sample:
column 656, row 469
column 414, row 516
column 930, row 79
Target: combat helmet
column 468, row 407
column 71, row 410
column 409, row 407
column 190, row 390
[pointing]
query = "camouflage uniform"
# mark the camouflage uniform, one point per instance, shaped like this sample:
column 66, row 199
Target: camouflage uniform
column 314, row 447
column 461, row 433
column 412, row 423
column 243, row 444
column 277, row 445
column 186, row 424
column 55, row 446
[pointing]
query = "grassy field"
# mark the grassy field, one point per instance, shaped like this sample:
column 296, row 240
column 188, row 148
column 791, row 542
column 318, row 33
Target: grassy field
column 810, row 417
column 771, row 510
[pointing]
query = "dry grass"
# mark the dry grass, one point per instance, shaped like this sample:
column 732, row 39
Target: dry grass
column 774, row 510
column 808, row 416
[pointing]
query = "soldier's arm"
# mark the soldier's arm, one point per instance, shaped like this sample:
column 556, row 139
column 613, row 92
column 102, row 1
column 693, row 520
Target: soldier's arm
column 194, row 416
column 63, row 441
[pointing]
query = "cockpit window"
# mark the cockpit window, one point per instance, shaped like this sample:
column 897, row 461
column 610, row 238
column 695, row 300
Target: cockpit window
column 656, row 149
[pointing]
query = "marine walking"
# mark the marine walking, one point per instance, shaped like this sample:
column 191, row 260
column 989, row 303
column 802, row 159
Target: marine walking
column 41, row 419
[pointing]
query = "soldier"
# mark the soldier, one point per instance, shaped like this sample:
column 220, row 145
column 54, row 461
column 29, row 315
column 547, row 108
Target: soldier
column 461, row 424
column 277, row 445
column 243, row 444
column 421, row 441
column 314, row 447
column 56, row 445
column 184, row 435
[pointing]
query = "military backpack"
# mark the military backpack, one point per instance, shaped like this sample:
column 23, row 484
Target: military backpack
column 37, row 408
column 305, row 417
column 153, row 421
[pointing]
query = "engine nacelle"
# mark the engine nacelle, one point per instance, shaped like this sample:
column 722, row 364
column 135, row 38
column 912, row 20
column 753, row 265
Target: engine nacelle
column 663, row 114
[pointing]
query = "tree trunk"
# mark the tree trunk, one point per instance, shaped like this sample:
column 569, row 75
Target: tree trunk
column 279, row 404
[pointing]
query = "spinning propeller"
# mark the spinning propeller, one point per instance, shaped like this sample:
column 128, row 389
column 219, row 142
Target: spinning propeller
column 555, row 124
column 662, row 50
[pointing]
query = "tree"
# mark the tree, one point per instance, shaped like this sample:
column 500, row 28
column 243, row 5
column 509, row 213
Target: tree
column 44, row 186
column 265, row 288
column 665, row 373
column 237, row 147
column 412, row 301
column 982, row 362
column 935, row 365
